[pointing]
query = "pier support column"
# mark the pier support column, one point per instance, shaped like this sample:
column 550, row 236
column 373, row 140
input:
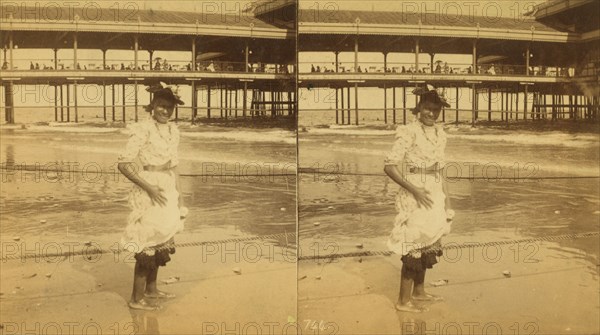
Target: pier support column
column 55, row 103
column 194, row 101
column 525, row 102
column 385, row 62
column 75, row 101
column 208, row 101
column 337, row 63
column 527, row 55
column 75, row 67
column 62, row 111
column 114, row 107
column 337, row 111
column 457, row 104
column 517, row 104
column 342, row 103
column 356, row 54
column 123, row 99
column 489, row 104
column 349, row 110
column 10, row 51
column 245, row 99
column 104, row 100
column 356, row 103
column 394, row 105
column 103, row 59
column 135, row 98
column 68, row 103
column 385, row 103
column 403, row 104
column 473, row 105
column 246, row 57
column 226, row 93
column 194, row 54
column 55, row 59
column 431, row 57
column 417, row 55
column 474, row 60
column 9, row 104
column 136, row 46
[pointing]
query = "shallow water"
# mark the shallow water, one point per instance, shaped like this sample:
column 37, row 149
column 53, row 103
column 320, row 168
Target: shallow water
column 350, row 209
column 90, row 199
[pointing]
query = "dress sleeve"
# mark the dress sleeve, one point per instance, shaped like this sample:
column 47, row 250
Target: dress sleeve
column 175, row 146
column 442, row 146
column 404, row 140
column 138, row 136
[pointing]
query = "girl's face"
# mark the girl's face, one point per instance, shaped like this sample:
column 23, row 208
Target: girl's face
column 429, row 113
column 162, row 113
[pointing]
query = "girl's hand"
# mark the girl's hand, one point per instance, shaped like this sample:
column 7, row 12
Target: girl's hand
column 156, row 195
column 180, row 200
column 422, row 197
column 449, row 214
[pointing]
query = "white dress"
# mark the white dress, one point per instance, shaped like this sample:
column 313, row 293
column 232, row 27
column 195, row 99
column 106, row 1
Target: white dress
column 417, row 227
column 150, row 224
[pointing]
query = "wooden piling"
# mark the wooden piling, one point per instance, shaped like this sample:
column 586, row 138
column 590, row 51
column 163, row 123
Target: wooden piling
column 394, row 104
column 403, row 104
column 384, row 103
column 123, row 100
column 113, row 103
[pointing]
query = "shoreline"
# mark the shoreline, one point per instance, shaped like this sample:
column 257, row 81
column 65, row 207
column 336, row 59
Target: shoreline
column 567, row 126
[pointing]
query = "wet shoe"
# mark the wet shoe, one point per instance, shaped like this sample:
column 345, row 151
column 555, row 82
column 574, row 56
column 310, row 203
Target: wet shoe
column 160, row 295
column 427, row 297
column 143, row 305
column 410, row 307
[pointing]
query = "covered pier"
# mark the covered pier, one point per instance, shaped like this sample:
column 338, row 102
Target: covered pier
column 507, row 68
column 237, row 65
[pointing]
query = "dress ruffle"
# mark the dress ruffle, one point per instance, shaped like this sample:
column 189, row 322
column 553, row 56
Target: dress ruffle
column 151, row 224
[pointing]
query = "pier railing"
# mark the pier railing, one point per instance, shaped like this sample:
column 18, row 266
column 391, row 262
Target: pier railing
column 438, row 68
column 156, row 66
column 401, row 115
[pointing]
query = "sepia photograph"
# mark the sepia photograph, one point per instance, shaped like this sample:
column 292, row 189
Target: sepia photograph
column 148, row 167
column 300, row 167
column 448, row 167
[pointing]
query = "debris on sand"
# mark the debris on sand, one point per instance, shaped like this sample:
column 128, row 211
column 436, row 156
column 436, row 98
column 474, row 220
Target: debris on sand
column 170, row 280
column 440, row 282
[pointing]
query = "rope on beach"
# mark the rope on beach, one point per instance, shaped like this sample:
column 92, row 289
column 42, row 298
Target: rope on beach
column 301, row 171
column 449, row 246
column 88, row 252
column 91, row 250
column 368, row 174
column 36, row 168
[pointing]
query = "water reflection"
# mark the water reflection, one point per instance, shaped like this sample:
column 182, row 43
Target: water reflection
column 143, row 323
column 365, row 205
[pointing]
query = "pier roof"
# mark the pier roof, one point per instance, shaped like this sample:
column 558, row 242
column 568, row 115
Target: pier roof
column 571, row 15
column 429, row 24
column 14, row 17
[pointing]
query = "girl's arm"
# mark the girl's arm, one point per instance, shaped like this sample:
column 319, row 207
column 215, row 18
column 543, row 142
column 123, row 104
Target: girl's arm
column 154, row 192
column 445, row 188
column 421, row 195
column 178, row 186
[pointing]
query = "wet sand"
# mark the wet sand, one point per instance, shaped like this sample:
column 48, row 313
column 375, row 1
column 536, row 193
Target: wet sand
column 553, row 286
column 46, row 212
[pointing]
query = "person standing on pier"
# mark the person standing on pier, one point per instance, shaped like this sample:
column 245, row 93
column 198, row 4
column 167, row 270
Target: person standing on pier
column 424, row 213
column 155, row 199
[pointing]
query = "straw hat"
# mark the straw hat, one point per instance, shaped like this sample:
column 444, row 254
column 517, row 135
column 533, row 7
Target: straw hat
column 428, row 93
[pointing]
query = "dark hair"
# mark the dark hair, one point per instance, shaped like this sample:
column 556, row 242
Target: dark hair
column 162, row 97
column 160, row 101
column 429, row 97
